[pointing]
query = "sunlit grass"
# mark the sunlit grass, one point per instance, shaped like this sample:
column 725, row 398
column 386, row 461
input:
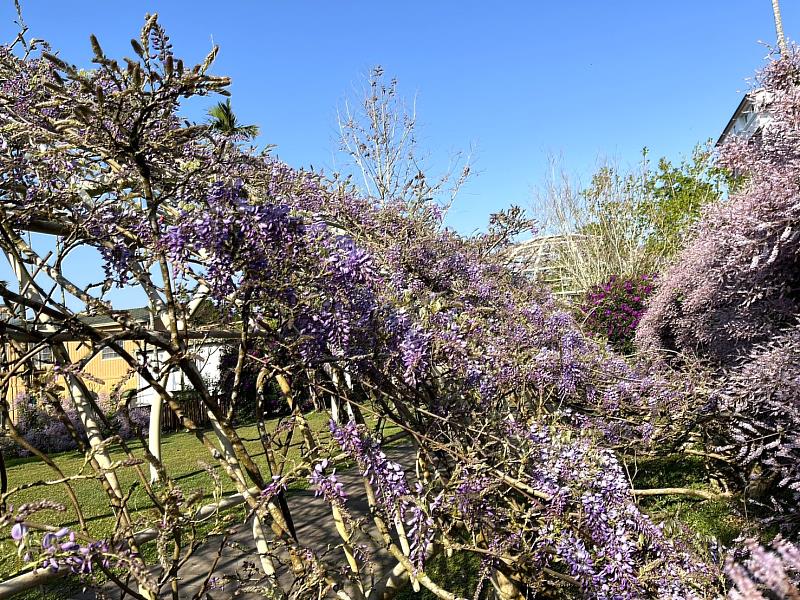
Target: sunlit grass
column 719, row 520
column 183, row 457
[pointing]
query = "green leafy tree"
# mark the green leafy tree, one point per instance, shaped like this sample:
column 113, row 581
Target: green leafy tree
column 627, row 222
column 675, row 196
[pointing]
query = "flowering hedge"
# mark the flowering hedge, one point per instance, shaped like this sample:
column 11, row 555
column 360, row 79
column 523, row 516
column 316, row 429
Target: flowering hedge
column 613, row 309
column 40, row 425
column 757, row 572
column 732, row 302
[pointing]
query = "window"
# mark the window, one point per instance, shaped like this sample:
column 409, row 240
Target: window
column 45, row 356
column 109, row 354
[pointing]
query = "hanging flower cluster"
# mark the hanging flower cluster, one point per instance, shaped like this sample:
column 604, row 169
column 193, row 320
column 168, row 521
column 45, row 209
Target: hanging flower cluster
column 64, row 550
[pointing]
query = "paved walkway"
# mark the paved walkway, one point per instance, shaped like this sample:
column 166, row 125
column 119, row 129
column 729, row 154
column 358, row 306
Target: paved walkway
column 315, row 530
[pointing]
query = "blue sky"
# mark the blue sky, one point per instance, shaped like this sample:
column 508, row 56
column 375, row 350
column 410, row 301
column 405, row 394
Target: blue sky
column 519, row 81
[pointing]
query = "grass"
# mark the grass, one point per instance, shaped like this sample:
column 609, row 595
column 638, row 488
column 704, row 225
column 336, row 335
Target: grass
column 183, row 456
column 720, row 520
column 183, row 453
column 461, row 571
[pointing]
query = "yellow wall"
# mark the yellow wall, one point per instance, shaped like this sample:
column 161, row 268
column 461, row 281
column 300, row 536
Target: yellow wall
column 102, row 374
column 109, row 371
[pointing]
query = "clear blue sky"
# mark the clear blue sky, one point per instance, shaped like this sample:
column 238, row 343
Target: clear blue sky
column 520, row 80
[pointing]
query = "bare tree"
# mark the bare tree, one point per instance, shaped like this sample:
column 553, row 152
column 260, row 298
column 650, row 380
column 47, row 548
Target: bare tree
column 379, row 134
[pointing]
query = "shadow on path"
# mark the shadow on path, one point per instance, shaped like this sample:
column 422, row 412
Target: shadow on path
column 315, row 531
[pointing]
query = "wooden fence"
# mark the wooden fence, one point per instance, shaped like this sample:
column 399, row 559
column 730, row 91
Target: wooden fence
column 193, row 409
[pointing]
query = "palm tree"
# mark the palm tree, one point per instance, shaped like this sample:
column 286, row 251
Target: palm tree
column 776, row 11
column 224, row 121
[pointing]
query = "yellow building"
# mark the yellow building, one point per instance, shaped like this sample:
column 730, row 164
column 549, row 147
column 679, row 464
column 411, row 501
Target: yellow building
column 106, row 372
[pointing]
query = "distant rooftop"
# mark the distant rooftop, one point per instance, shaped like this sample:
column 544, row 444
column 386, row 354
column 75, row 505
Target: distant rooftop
column 141, row 315
column 205, row 315
column 748, row 119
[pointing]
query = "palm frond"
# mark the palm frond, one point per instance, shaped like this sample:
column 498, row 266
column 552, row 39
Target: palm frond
column 223, row 119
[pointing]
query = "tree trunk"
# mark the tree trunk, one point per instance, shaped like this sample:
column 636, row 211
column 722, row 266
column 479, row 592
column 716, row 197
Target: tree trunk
column 154, row 432
column 156, row 408
column 776, row 12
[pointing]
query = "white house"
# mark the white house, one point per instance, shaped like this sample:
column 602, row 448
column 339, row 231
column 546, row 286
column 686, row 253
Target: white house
column 207, row 357
column 749, row 118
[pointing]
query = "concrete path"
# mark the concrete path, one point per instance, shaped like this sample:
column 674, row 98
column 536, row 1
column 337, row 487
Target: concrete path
column 315, row 530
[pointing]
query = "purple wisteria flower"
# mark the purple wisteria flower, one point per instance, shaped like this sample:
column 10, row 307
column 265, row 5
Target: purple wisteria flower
column 387, row 476
column 327, row 486
column 19, row 531
column 62, row 550
column 275, row 487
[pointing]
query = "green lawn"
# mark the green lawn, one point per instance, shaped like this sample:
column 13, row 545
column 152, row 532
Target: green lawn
column 182, row 454
column 701, row 521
